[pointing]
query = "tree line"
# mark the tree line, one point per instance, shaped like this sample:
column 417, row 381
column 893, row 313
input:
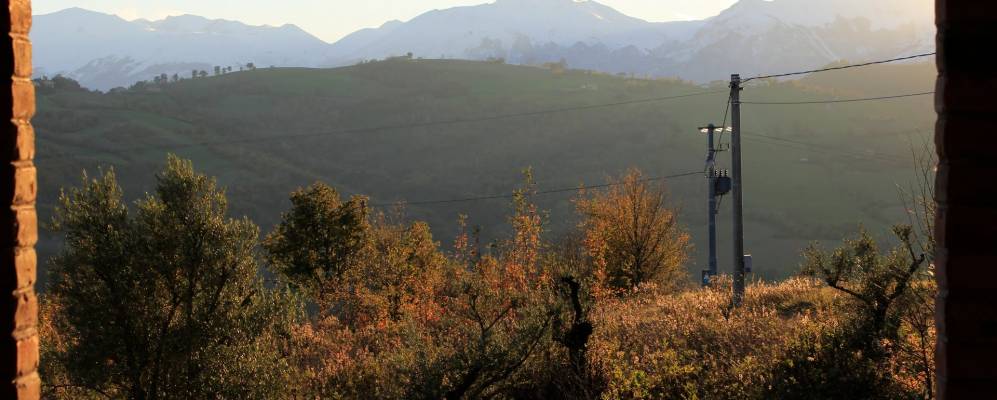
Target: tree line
column 170, row 297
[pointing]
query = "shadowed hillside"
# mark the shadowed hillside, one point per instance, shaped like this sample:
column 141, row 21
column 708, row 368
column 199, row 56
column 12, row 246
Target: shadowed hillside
column 816, row 173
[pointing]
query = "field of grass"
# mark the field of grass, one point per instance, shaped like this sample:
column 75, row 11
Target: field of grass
column 267, row 132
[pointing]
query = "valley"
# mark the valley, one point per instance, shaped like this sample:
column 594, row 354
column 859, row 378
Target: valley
column 812, row 172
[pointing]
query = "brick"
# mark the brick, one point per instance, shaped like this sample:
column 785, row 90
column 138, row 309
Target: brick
column 28, row 387
column 968, row 318
column 25, row 185
column 22, row 58
column 25, row 311
column 27, row 355
column 23, row 97
column 21, row 265
column 20, row 16
column 19, row 348
column 964, row 11
column 19, row 226
column 969, row 361
column 951, row 129
column 966, row 230
column 24, row 143
column 984, row 277
column 26, row 225
column 967, row 182
column 25, row 267
column 958, row 47
column 968, row 388
column 23, row 188
column 965, row 95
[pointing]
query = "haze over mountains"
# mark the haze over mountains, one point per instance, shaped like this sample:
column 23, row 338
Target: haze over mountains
column 753, row 36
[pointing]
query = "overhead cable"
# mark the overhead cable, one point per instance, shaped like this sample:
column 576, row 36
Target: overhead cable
column 899, row 96
column 865, row 64
column 545, row 192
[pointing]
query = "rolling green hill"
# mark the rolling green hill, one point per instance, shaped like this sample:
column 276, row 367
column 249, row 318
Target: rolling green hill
column 264, row 133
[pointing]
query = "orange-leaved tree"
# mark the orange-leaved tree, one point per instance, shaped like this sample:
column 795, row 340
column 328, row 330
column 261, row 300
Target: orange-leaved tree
column 631, row 234
column 376, row 283
column 500, row 308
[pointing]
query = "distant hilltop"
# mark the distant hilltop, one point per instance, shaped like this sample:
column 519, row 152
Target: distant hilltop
column 104, row 51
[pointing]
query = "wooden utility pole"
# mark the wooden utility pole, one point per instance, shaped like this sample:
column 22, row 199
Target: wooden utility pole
column 738, row 189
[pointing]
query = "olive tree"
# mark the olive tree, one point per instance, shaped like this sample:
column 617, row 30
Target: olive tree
column 164, row 301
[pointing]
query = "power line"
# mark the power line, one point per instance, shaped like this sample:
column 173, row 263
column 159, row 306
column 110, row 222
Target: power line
column 836, row 101
column 723, row 126
column 401, row 126
column 865, row 64
column 726, row 112
column 545, row 192
column 820, row 148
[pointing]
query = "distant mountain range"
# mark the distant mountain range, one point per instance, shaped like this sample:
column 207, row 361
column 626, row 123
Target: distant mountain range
column 752, row 36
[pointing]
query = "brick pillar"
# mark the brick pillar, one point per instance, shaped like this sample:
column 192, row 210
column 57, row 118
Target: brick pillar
column 18, row 222
column 966, row 226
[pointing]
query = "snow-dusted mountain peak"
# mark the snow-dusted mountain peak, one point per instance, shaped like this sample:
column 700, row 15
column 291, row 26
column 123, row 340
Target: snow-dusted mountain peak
column 103, row 51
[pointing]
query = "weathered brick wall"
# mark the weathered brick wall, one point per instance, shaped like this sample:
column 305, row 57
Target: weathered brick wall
column 966, row 227
column 18, row 222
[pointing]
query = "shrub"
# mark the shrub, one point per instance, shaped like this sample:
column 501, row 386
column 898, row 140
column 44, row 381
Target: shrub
column 632, row 236
column 166, row 302
column 883, row 351
column 162, row 303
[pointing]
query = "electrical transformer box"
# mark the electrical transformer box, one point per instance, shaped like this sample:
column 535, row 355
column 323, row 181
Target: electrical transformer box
column 722, row 185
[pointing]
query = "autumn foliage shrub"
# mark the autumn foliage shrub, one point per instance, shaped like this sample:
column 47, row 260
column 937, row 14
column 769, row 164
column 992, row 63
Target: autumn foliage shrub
column 631, row 234
column 403, row 320
column 604, row 312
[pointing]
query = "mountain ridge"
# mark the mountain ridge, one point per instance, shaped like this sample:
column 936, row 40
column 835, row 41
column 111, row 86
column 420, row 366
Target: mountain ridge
column 103, row 51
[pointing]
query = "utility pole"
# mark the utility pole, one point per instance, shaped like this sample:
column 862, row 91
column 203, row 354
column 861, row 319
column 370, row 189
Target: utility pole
column 710, row 169
column 738, row 223
column 711, row 198
column 716, row 186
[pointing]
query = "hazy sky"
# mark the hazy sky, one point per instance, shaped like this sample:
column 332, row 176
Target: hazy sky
column 333, row 19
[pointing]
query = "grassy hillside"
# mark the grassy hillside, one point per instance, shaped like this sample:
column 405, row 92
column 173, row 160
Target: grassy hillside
column 265, row 133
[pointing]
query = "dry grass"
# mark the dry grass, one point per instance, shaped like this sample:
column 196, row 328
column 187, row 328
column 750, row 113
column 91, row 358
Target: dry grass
column 692, row 345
